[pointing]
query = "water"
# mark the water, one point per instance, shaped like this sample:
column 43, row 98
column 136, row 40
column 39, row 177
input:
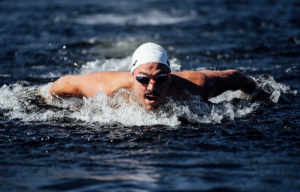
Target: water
column 235, row 142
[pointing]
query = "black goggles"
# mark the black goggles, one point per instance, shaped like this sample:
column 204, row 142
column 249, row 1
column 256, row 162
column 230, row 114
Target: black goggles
column 162, row 78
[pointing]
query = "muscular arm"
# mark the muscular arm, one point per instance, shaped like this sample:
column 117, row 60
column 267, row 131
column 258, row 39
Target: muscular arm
column 209, row 84
column 205, row 83
column 221, row 81
column 90, row 83
column 70, row 85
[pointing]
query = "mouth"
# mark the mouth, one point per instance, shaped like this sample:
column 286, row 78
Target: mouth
column 151, row 99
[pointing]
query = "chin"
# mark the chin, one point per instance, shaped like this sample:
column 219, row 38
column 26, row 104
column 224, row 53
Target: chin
column 151, row 107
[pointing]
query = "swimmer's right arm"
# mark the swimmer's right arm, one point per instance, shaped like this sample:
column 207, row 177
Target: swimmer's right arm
column 66, row 86
column 87, row 85
column 75, row 85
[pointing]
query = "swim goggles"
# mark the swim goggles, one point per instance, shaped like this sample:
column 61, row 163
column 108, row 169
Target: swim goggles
column 143, row 79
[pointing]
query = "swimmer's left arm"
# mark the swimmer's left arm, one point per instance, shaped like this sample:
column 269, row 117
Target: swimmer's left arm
column 217, row 82
column 209, row 84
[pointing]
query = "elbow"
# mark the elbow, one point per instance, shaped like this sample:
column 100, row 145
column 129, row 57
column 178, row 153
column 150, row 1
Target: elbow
column 59, row 86
column 246, row 84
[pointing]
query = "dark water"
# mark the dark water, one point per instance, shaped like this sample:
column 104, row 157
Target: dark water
column 257, row 152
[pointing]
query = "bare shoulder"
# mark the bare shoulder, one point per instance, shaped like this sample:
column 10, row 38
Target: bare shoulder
column 107, row 82
column 200, row 76
column 89, row 84
column 189, row 73
column 197, row 77
column 191, row 81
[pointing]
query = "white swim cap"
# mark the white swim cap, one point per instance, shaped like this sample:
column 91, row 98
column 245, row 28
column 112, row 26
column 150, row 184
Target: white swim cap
column 149, row 52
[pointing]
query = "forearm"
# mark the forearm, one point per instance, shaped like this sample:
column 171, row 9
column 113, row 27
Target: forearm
column 233, row 80
column 239, row 81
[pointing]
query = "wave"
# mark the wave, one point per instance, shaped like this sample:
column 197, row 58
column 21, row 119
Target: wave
column 24, row 103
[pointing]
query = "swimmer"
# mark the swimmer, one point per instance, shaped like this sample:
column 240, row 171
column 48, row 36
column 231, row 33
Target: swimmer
column 151, row 80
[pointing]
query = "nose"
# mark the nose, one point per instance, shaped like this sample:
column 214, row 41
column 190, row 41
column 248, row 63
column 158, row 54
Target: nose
column 151, row 86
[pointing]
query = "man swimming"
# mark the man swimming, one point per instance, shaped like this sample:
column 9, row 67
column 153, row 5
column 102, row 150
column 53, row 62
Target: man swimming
column 151, row 80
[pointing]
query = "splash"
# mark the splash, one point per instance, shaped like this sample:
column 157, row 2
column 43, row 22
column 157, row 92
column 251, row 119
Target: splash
column 118, row 65
column 24, row 105
column 118, row 110
column 268, row 85
column 23, row 102
column 264, row 84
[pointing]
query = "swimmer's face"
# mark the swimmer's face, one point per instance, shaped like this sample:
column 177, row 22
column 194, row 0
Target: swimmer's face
column 151, row 94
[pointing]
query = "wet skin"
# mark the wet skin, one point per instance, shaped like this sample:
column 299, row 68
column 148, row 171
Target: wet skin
column 150, row 95
column 205, row 83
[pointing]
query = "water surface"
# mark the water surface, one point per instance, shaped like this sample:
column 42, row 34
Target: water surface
column 231, row 144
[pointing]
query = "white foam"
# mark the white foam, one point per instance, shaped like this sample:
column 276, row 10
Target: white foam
column 264, row 83
column 8, row 99
column 152, row 17
column 268, row 81
column 46, row 75
column 269, row 85
column 115, row 46
column 275, row 96
column 36, row 116
column 71, row 102
column 227, row 96
column 107, row 65
column 118, row 65
column 106, row 110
